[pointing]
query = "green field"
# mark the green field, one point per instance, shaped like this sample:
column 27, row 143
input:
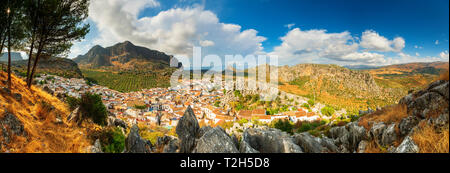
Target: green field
column 127, row 81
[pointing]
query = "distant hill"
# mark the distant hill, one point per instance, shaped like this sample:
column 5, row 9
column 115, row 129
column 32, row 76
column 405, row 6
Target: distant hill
column 361, row 67
column 15, row 56
column 126, row 67
column 124, row 56
column 411, row 76
column 57, row 66
column 336, row 86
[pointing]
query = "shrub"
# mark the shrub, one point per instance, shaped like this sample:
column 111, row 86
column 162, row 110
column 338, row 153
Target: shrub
column 311, row 102
column 388, row 115
column 72, row 102
column 112, row 140
column 242, row 121
column 305, row 105
column 327, row 111
column 284, row 125
column 92, row 107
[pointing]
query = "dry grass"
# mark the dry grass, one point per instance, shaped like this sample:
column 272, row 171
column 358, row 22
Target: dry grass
column 388, row 115
column 373, row 147
column 431, row 140
column 38, row 111
column 444, row 76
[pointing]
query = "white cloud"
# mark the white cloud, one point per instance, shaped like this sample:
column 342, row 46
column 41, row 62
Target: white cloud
column 444, row 55
column 372, row 41
column 417, row 54
column 175, row 31
column 289, row 26
column 436, row 42
column 319, row 46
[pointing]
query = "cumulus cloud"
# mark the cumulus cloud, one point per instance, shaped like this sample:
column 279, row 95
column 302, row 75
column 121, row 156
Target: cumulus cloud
column 319, row 46
column 372, row 41
column 175, row 31
column 289, row 26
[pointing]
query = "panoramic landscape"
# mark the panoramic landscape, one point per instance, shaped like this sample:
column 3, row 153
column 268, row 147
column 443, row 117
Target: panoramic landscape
column 151, row 76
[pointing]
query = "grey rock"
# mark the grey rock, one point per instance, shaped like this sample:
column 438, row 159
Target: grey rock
column 376, row 132
column 187, row 131
column 270, row 141
column 407, row 146
column 235, row 140
column 406, row 124
column 168, row 144
column 244, row 147
column 356, row 134
column 120, row 123
column 389, row 135
column 329, row 145
column 135, row 144
column 441, row 120
column 308, row 143
column 97, row 147
column 215, row 141
column 11, row 126
column 362, row 146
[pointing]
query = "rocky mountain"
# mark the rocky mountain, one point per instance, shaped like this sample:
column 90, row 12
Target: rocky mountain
column 52, row 65
column 15, row 56
column 124, row 56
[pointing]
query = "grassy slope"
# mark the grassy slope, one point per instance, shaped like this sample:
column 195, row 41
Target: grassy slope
column 44, row 135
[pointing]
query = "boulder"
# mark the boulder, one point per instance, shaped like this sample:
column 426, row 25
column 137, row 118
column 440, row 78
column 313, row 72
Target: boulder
column 135, row 144
column 362, row 146
column 168, row 144
column 187, row 131
column 341, row 137
column 407, row 146
column 441, row 120
column 75, row 115
column 235, row 140
column 389, row 135
column 11, row 126
column 215, row 141
column 308, row 143
column 376, row 132
column 244, row 147
column 96, row 148
column 328, row 144
column 356, row 134
column 406, row 124
column 270, row 141
column 120, row 123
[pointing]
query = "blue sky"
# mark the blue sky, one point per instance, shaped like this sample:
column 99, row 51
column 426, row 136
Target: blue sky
column 345, row 32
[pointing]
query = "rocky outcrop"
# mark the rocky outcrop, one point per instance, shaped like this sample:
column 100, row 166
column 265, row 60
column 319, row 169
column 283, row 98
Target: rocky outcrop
column 215, row 140
column 187, row 131
column 270, row 141
column 389, row 135
column 167, row 144
column 407, row 146
column 10, row 126
column 135, row 144
column 308, row 143
column 96, row 148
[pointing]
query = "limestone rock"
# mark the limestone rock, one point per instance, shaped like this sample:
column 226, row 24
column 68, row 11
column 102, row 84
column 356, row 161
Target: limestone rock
column 407, row 146
column 135, row 144
column 308, row 143
column 215, row 141
column 270, row 141
column 187, row 131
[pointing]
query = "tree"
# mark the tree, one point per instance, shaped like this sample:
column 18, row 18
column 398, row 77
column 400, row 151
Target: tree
column 327, row 111
column 13, row 29
column 57, row 24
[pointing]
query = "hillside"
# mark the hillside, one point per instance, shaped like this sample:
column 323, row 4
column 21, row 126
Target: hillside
column 32, row 121
column 336, row 86
column 406, row 77
column 57, row 66
column 126, row 67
